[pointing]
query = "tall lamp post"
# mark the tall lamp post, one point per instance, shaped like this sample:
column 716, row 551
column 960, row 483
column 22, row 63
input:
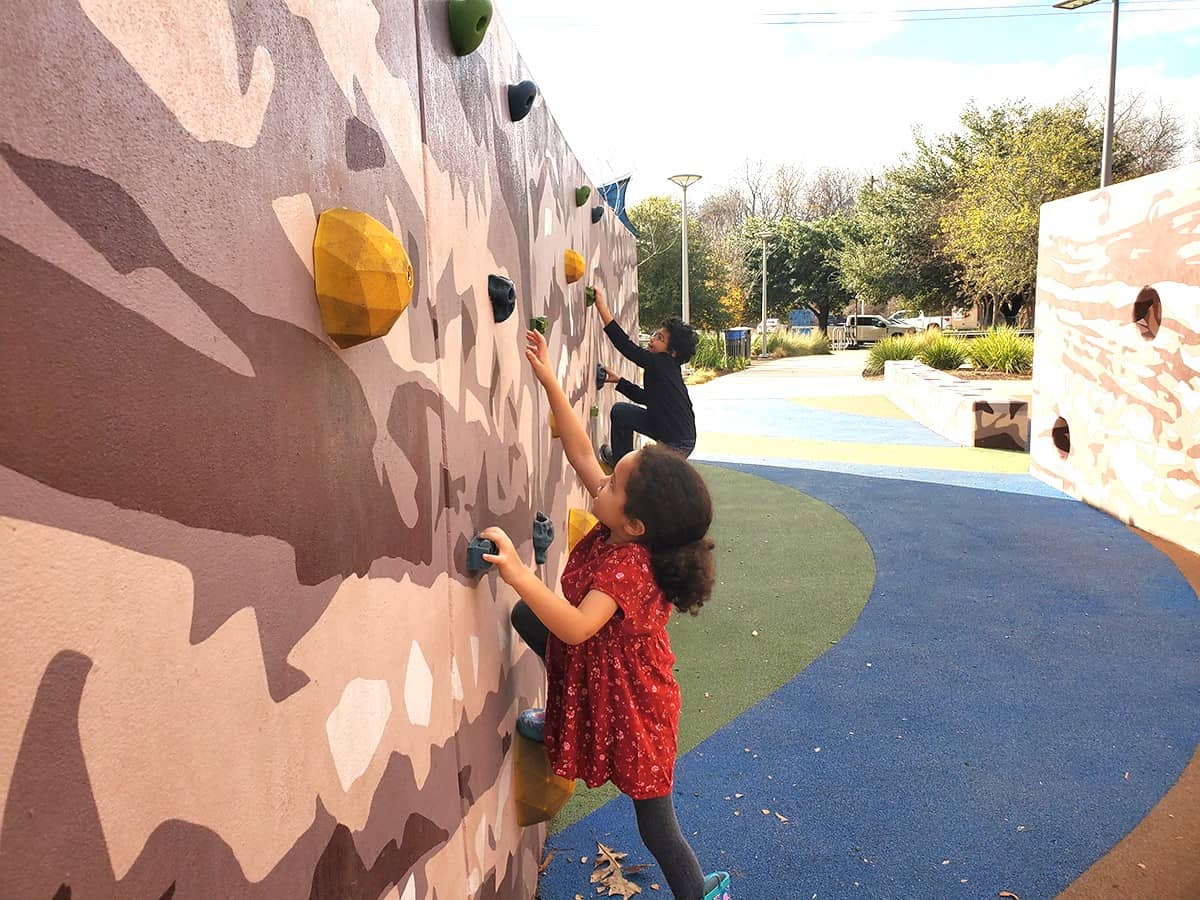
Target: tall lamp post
column 764, row 236
column 683, row 181
column 1106, row 153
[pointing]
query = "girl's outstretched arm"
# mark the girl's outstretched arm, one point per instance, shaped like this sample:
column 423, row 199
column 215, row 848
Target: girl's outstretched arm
column 570, row 624
column 576, row 444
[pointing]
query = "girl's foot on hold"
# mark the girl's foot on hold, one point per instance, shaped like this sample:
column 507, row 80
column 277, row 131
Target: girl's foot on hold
column 716, row 886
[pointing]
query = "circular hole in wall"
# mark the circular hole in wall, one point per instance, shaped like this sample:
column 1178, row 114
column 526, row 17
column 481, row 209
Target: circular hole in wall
column 1061, row 435
column 1147, row 312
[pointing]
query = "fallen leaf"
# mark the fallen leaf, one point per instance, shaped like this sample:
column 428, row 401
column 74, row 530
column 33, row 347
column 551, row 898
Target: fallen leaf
column 1126, row 776
column 737, row 812
column 766, row 812
column 945, row 862
column 610, row 875
column 1141, row 865
column 545, row 863
column 780, row 818
column 1008, row 895
column 655, row 887
column 739, row 796
column 754, row 633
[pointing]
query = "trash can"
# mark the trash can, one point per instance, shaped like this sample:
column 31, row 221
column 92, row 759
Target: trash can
column 737, row 342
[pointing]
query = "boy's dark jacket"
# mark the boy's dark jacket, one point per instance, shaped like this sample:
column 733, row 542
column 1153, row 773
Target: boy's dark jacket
column 664, row 394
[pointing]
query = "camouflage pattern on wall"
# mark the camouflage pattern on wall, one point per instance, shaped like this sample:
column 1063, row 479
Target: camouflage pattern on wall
column 1116, row 371
column 242, row 656
column 958, row 410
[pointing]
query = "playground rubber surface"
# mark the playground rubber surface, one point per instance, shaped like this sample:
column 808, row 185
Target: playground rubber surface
column 1018, row 696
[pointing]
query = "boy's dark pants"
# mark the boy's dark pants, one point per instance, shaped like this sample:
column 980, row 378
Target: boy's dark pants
column 657, row 823
column 627, row 418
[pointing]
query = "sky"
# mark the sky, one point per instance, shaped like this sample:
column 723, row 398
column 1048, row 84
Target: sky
column 660, row 87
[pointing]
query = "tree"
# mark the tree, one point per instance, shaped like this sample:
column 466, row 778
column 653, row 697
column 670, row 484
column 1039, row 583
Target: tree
column 990, row 227
column 829, row 192
column 802, row 267
column 660, row 267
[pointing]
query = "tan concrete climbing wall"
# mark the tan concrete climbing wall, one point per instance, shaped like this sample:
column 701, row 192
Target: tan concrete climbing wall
column 240, row 654
column 1116, row 372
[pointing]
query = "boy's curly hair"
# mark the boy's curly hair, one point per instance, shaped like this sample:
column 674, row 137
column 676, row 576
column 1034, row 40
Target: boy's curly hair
column 681, row 338
column 672, row 501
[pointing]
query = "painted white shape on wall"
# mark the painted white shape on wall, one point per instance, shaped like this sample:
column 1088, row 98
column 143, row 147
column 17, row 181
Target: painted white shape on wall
column 355, row 727
column 456, row 686
column 418, row 688
column 475, row 659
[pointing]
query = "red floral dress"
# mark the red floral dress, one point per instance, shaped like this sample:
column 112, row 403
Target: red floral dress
column 612, row 706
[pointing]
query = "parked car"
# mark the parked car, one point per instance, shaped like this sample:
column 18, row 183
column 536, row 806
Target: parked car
column 920, row 321
column 772, row 325
column 872, row 329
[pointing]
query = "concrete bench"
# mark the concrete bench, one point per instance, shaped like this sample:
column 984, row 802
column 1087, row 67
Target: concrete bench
column 959, row 410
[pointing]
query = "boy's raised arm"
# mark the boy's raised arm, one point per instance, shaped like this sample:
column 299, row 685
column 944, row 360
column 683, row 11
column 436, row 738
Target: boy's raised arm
column 627, row 348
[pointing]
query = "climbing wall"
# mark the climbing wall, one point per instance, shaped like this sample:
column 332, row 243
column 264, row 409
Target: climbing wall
column 1116, row 371
column 241, row 653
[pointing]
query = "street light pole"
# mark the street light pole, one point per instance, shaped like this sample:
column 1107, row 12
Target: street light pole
column 764, row 235
column 1109, row 109
column 1106, row 156
column 683, row 181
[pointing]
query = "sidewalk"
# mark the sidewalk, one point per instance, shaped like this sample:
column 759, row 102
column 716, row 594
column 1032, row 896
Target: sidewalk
column 1008, row 690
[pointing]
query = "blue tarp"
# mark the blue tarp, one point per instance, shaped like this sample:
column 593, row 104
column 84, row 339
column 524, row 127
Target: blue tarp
column 614, row 196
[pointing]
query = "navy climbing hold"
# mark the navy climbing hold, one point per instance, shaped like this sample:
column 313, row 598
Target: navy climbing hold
column 543, row 537
column 504, row 297
column 520, row 99
column 476, row 547
column 597, row 212
column 601, row 376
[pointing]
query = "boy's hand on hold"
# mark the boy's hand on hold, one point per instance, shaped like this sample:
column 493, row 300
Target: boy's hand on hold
column 538, row 355
column 611, row 377
column 505, row 559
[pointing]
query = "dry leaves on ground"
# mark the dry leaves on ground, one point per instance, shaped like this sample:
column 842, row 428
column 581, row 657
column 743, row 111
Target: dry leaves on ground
column 610, row 874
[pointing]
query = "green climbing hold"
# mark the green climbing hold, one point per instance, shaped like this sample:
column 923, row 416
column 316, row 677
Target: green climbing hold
column 469, row 20
column 538, row 323
column 595, row 412
column 582, row 194
column 589, row 296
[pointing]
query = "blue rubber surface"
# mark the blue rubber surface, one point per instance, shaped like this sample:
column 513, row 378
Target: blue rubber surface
column 982, row 481
column 786, row 419
column 1018, row 656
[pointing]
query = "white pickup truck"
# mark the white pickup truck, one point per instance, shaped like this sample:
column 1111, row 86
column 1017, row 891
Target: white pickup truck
column 872, row 329
column 920, row 321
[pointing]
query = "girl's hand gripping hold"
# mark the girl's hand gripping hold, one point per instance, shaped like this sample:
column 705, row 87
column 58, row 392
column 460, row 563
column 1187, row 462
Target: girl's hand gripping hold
column 538, row 355
column 505, row 559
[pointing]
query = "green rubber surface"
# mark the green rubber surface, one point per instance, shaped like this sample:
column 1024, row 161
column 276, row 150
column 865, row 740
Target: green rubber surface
column 789, row 567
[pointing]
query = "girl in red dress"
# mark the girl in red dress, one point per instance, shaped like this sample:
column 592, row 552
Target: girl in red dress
column 612, row 707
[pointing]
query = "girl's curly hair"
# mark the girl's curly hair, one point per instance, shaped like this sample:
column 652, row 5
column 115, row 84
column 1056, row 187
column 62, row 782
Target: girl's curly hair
column 672, row 501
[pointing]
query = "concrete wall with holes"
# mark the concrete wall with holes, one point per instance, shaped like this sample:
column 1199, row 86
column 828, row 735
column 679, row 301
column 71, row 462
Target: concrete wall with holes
column 242, row 657
column 1116, row 371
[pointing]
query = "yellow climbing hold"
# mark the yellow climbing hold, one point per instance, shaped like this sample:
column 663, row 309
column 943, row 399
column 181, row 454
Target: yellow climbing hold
column 364, row 277
column 553, row 426
column 579, row 523
column 573, row 266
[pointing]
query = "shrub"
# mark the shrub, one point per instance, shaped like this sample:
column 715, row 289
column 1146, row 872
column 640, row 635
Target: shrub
column 1003, row 350
column 782, row 343
column 942, row 352
column 710, row 354
column 900, row 346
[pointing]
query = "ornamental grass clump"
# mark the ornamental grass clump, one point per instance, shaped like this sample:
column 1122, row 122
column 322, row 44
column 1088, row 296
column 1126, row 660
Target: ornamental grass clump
column 900, row 346
column 942, row 352
column 1003, row 350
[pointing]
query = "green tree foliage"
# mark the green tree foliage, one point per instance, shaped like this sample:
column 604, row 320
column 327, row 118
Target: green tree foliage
column 957, row 219
column 660, row 267
column 802, row 269
column 990, row 227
